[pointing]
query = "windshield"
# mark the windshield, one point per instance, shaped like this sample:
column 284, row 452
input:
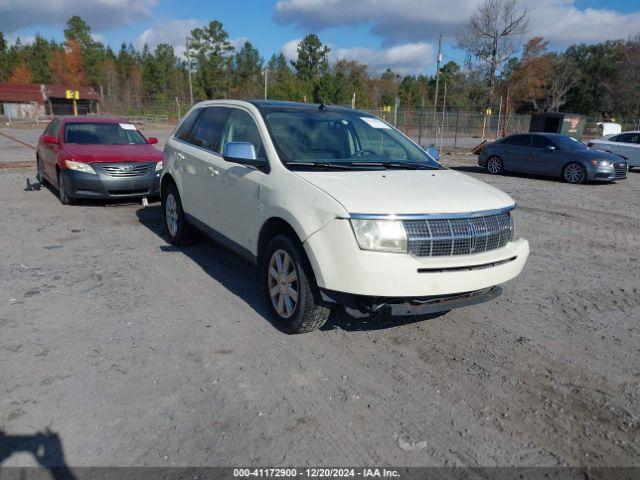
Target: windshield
column 100, row 133
column 568, row 143
column 341, row 139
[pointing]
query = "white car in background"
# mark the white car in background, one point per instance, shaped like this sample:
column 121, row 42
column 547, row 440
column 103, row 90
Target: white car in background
column 625, row 144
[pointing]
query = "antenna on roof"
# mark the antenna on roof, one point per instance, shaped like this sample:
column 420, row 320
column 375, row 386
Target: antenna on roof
column 322, row 106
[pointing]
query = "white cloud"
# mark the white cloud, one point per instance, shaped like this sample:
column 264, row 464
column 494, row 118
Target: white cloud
column 174, row 33
column 407, row 59
column 99, row 14
column 418, row 20
column 290, row 49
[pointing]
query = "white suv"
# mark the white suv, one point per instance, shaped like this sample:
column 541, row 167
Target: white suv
column 336, row 207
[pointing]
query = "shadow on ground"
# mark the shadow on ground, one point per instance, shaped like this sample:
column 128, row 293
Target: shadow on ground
column 243, row 279
column 46, row 448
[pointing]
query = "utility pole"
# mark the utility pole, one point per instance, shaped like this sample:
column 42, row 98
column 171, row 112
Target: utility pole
column 189, row 74
column 266, row 81
column 435, row 98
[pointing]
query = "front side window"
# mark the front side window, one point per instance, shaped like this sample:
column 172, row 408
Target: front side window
column 341, row 138
column 209, row 126
column 538, row 141
column 100, row 133
column 241, row 127
column 53, row 129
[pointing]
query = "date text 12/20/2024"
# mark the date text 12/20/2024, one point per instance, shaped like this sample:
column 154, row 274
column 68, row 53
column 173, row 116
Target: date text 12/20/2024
column 316, row 472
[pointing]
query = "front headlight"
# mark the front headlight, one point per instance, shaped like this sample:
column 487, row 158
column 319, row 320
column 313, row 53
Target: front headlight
column 158, row 166
column 601, row 163
column 380, row 235
column 80, row 167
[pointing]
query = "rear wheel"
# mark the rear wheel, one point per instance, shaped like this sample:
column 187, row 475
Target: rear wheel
column 179, row 231
column 290, row 288
column 574, row 173
column 495, row 166
column 65, row 199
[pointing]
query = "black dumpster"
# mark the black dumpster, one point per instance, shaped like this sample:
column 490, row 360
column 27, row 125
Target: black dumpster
column 566, row 123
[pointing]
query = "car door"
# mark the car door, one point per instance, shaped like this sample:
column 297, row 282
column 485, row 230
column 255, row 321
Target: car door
column 545, row 158
column 237, row 187
column 517, row 153
column 198, row 158
column 49, row 152
column 625, row 144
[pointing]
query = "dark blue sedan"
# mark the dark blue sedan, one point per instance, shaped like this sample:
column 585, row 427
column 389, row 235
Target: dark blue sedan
column 553, row 155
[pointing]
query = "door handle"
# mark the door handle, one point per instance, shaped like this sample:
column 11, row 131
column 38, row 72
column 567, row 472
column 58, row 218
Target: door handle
column 213, row 172
column 179, row 156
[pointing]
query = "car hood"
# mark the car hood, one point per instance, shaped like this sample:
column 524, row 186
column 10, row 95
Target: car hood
column 113, row 153
column 595, row 154
column 408, row 191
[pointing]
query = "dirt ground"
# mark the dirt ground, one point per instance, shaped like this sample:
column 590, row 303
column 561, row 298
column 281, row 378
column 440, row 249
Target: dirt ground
column 134, row 352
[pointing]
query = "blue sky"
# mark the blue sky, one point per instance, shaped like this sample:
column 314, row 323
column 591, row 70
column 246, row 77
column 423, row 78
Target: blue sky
column 401, row 34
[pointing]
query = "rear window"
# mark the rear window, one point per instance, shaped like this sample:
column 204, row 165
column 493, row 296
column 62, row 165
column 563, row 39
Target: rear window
column 88, row 133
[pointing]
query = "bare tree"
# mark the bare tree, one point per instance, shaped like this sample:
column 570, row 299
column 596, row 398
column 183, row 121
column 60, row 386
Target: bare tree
column 489, row 37
column 563, row 76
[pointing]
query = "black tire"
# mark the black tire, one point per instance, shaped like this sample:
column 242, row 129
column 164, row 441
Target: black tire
column 63, row 196
column 308, row 312
column 181, row 232
column 494, row 165
column 574, row 173
column 39, row 175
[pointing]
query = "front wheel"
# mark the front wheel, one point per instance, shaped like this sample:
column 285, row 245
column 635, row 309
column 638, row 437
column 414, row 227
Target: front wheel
column 65, row 199
column 495, row 165
column 39, row 174
column 290, row 288
column 574, row 173
column 179, row 231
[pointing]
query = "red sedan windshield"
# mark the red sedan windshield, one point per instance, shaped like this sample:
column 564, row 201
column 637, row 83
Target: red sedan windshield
column 100, row 133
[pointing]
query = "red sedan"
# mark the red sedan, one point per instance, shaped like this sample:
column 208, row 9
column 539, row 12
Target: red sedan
column 96, row 157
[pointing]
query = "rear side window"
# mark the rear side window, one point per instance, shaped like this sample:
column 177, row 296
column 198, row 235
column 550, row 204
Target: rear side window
column 540, row 142
column 209, row 126
column 627, row 138
column 521, row 140
column 185, row 128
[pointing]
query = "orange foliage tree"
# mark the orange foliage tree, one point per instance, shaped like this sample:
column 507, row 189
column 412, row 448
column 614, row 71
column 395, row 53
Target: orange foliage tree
column 21, row 75
column 67, row 65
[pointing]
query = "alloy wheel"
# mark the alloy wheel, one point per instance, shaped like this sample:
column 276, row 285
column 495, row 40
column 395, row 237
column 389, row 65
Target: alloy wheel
column 494, row 165
column 171, row 214
column 573, row 173
column 282, row 282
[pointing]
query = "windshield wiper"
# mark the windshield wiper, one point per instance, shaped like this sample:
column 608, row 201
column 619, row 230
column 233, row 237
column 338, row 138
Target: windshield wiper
column 327, row 165
column 394, row 165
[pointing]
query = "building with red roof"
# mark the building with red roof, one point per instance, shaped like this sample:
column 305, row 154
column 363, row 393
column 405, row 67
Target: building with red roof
column 35, row 99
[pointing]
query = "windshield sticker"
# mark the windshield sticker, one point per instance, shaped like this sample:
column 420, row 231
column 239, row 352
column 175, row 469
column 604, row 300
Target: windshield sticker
column 374, row 122
column 127, row 126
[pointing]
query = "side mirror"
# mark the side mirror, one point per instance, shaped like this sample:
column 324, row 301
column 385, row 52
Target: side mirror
column 550, row 148
column 50, row 140
column 432, row 151
column 234, row 151
column 152, row 140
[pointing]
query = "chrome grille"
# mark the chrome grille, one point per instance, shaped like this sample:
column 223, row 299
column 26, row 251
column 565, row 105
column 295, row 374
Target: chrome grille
column 458, row 236
column 126, row 169
column 620, row 169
